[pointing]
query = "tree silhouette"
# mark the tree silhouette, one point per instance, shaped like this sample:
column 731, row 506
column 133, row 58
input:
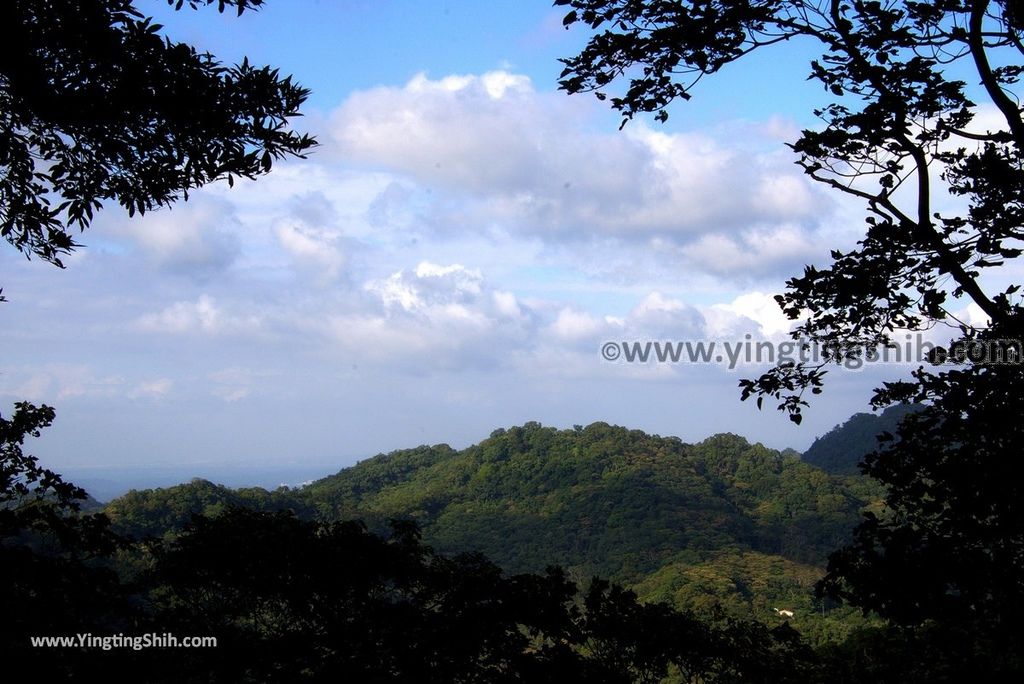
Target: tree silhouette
column 945, row 205
column 48, row 584
column 895, row 134
column 96, row 105
column 294, row 600
column 332, row 602
column 948, row 552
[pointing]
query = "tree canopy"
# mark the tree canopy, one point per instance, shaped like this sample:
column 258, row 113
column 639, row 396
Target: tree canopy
column 720, row 525
column 97, row 105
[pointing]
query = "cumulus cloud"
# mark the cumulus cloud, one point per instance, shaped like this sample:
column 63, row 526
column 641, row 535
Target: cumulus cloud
column 750, row 313
column 533, row 162
column 422, row 129
column 431, row 288
column 762, row 250
column 660, row 316
column 312, row 249
column 655, row 317
column 573, row 325
column 198, row 237
column 449, row 317
column 441, row 315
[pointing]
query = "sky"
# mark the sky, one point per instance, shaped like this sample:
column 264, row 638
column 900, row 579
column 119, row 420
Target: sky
column 448, row 261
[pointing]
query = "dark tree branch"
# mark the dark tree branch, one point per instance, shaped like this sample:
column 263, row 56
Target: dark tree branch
column 1006, row 106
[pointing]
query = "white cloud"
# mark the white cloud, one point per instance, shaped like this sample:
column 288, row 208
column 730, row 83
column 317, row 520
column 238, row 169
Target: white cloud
column 396, row 290
column 532, row 162
column 784, row 196
column 201, row 316
column 506, row 304
column 429, row 286
column 772, row 250
column 756, row 307
column 975, row 316
column 572, row 325
column 658, row 316
column 312, row 249
column 233, row 384
column 33, row 386
column 58, row 382
column 155, row 389
column 197, row 237
column 432, row 316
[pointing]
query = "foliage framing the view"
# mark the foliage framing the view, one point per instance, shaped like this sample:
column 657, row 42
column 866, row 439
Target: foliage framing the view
column 97, row 105
column 945, row 207
column 896, row 137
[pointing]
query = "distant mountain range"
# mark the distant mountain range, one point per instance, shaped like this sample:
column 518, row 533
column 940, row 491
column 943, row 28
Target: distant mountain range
column 722, row 523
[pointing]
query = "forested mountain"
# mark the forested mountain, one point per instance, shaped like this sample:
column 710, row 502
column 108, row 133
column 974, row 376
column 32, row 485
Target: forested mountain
column 721, row 523
column 600, row 499
column 844, row 446
column 719, row 543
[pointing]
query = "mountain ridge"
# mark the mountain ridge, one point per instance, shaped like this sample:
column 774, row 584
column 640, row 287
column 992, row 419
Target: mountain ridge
column 841, row 449
column 722, row 521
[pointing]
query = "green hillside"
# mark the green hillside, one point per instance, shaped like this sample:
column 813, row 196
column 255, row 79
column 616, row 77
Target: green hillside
column 723, row 522
column 842, row 448
column 599, row 499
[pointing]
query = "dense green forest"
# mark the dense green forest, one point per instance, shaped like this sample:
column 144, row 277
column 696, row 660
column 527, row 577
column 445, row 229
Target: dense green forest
column 591, row 554
column 720, row 525
column 844, row 447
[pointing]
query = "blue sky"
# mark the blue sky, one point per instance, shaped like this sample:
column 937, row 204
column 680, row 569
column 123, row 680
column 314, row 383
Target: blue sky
column 449, row 261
